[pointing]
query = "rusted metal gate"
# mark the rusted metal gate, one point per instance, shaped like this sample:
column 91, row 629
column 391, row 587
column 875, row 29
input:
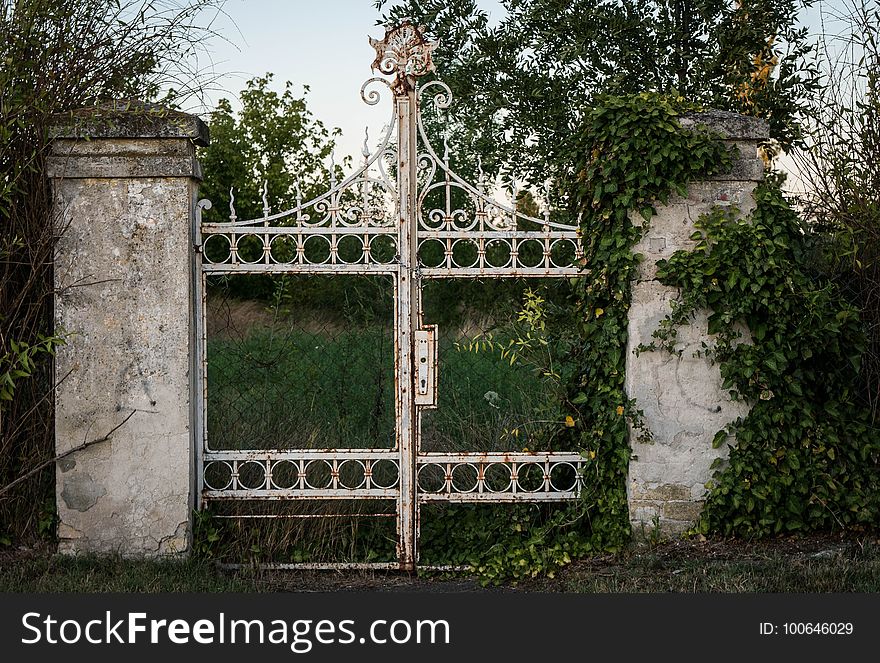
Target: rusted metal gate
column 374, row 207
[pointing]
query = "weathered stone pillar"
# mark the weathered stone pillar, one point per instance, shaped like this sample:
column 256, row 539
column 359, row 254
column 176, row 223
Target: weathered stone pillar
column 125, row 183
column 681, row 396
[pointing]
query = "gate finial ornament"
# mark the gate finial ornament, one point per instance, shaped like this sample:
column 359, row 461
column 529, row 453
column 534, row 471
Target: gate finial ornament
column 404, row 51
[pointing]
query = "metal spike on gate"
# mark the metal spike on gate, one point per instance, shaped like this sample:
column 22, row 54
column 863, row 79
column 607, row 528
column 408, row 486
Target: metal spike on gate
column 299, row 201
column 365, row 150
column 547, row 202
column 265, row 199
column 514, row 195
column 232, row 216
column 364, row 185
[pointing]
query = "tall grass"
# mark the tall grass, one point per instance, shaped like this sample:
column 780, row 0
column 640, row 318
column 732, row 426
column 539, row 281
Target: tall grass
column 291, row 374
column 292, row 389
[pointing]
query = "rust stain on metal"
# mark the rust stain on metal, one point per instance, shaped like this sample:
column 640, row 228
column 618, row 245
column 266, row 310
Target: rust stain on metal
column 404, row 52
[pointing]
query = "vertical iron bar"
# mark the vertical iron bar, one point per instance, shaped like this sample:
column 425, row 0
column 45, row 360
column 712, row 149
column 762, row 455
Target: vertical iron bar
column 406, row 322
column 199, row 354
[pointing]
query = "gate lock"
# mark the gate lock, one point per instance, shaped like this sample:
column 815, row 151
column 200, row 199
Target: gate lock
column 426, row 366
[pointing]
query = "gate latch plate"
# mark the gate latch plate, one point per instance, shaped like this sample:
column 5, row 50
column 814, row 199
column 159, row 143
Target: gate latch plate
column 426, row 366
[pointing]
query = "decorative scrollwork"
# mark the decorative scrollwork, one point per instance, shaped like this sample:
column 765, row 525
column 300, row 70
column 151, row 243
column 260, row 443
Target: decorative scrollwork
column 464, row 231
column 372, row 97
column 406, row 52
column 442, row 99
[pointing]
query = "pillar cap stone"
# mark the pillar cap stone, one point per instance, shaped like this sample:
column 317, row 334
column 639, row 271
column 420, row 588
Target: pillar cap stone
column 129, row 118
column 731, row 126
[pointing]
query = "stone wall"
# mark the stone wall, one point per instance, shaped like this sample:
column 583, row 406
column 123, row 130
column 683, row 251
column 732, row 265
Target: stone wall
column 681, row 396
column 125, row 182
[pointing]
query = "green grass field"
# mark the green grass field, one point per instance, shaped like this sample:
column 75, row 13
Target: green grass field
column 294, row 389
column 291, row 389
column 305, row 377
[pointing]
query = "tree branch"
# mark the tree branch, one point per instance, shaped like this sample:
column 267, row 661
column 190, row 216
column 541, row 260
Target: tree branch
column 84, row 445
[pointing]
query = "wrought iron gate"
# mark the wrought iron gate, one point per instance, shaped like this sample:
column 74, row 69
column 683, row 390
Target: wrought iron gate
column 388, row 217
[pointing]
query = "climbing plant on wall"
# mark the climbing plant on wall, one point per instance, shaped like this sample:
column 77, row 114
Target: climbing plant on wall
column 630, row 154
column 806, row 456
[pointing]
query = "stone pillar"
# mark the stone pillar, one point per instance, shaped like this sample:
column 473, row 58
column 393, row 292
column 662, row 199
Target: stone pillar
column 125, row 185
column 681, row 396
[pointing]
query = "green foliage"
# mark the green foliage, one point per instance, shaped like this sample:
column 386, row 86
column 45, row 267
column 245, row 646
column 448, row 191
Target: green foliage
column 342, row 384
column 523, row 83
column 275, row 139
column 207, row 532
column 806, row 455
column 630, row 152
column 514, row 542
column 20, row 361
column 504, row 542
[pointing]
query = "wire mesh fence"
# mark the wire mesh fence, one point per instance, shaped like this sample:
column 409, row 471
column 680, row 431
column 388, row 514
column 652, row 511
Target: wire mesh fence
column 307, row 366
column 310, row 368
column 499, row 382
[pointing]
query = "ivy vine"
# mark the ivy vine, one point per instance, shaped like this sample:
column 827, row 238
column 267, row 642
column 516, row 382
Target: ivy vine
column 631, row 153
column 806, row 456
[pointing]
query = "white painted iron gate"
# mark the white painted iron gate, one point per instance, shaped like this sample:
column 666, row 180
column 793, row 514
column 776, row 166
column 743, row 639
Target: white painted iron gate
column 374, row 210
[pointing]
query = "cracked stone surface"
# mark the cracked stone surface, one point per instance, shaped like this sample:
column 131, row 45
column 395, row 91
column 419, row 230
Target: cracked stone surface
column 123, row 282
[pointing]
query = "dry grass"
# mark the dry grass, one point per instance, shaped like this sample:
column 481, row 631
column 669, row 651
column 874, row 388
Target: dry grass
column 813, row 564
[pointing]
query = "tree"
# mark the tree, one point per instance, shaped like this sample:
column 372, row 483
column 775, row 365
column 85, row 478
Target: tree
column 839, row 168
column 273, row 140
column 273, row 145
column 524, row 85
column 61, row 55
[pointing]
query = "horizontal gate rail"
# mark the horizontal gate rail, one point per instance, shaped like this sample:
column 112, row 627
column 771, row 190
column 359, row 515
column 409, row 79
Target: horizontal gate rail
column 302, row 474
column 304, row 454
column 293, row 268
column 305, row 231
column 499, row 476
column 470, row 498
column 476, row 273
column 308, row 494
